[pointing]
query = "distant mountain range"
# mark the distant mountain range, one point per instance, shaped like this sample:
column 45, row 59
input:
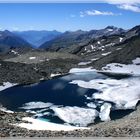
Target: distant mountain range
column 78, row 38
column 83, row 43
column 37, row 38
column 9, row 41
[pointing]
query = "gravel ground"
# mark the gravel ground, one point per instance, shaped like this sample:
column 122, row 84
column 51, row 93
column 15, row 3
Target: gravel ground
column 128, row 126
column 39, row 56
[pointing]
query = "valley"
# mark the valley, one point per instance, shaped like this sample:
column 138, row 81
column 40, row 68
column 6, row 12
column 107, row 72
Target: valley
column 93, row 74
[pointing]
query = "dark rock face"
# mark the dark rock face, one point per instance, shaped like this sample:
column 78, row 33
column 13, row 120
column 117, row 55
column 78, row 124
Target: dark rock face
column 130, row 50
column 31, row 73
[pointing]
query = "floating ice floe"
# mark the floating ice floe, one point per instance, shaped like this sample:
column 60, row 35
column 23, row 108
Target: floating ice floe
column 35, row 105
column 36, row 124
column 76, row 115
column 6, row 85
column 105, row 112
column 91, row 105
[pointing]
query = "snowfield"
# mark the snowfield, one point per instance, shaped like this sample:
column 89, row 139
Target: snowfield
column 133, row 68
column 79, row 70
column 36, row 124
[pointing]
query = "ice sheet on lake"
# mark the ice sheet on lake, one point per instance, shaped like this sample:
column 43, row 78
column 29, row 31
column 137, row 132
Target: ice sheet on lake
column 125, row 93
column 35, row 105
column 36, row 124
column 76, row 115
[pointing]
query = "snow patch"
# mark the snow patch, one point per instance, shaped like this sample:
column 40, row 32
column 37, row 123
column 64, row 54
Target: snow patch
column 32, row 58
column 6, row 85
column 79, row 70
column 136, row 61
column 36, row 124
column 84, row 63
column 104, row 54
column 92, row 47
column 5, row 110
column 109, row 30
column 122, row 68
column 94, row 59
column 118, row 48
column 14, row 52
column 121, row 39
column 76, row 115
column 110, row 44
column 53, row 75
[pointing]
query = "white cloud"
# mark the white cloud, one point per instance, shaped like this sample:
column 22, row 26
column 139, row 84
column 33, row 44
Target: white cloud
column 130, row 7
column 121, row 1
column 97, row 13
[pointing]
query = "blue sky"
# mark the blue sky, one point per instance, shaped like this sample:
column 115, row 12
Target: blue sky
column 68, row 16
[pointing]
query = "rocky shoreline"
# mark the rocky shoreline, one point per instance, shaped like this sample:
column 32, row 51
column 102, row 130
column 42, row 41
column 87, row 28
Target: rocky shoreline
column 128, row 126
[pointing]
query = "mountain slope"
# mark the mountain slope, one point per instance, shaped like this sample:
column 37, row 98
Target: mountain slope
column 36, row 38
column 130, row 50
column 69, row 40
column 10, row 41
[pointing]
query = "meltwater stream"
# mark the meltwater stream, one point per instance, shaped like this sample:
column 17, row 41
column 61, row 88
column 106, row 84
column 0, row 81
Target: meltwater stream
column 43, row 98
